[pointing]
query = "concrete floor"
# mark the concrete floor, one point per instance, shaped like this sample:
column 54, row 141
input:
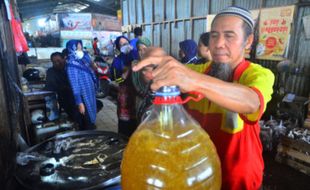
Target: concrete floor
column 107, row 118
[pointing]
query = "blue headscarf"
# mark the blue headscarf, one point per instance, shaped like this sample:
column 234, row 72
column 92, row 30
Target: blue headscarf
column 122, row 60
column 82, row 79
column 189, row 47
column 117, row 42
column 72, row 47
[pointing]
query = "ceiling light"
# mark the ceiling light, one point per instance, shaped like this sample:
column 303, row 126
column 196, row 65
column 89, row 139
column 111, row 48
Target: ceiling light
column 41, row 22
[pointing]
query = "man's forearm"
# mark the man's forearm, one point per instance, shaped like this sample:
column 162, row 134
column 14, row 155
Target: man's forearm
column 232, row 96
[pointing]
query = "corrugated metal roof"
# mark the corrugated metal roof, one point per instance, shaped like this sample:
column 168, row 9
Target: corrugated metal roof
column 248, row 4
column 169, row 37
column 159, row 10
column 276, row 3
column 300, row 55
column 218, row 5
column 33, row 8
column 200, row 7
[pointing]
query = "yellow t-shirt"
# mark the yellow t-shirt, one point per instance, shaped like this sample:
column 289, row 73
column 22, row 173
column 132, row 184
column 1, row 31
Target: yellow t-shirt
column 236, row 136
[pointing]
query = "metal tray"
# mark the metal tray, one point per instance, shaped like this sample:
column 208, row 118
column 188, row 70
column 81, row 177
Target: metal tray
column 75, row 160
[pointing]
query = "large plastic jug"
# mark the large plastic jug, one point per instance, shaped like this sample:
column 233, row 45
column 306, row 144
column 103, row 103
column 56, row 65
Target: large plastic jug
column 169, row 150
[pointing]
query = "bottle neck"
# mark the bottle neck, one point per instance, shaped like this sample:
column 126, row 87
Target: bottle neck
column 161, row 100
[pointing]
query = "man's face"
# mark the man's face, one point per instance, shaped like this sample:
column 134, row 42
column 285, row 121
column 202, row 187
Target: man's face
column 58, row 62
column 227, row 43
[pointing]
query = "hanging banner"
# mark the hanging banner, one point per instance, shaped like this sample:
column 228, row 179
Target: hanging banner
column 104, row 37
column 64, row 34
column 105, row 22
column 274, row 31
column 120, row 16
column 86, row 43
column 75, row 21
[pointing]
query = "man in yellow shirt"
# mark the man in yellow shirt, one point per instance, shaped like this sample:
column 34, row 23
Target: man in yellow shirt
column 236, row 92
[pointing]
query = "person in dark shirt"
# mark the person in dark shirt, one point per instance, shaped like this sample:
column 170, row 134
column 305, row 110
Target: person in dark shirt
column 57, row 81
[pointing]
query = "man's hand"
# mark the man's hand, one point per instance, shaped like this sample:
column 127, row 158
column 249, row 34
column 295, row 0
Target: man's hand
column 82, row 108
column 168, row 71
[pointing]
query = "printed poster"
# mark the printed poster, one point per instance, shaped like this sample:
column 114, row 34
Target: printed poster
column 86, row 43
column 75, row 21
column 76, row 34
column 106, row 22
column 274, row 31
column 104, row 37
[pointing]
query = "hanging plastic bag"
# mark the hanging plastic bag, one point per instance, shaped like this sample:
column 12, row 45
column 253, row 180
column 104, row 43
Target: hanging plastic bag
column 20, row 41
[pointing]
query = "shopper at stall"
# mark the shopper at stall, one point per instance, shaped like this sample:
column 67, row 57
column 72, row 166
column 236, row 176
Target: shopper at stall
column 142, row 81
column 96, row 46
column 232, row 105
column 57, row 81
column 203, row 48
column 121, row 70
column 188, row 51
column 138, row 34
column 83, row 81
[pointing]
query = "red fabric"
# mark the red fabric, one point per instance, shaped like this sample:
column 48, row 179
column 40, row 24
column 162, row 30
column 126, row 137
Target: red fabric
column 95, row 48
column 240, row 69
column 126, row 100
column 261, row 108
column 20, row 41
column 240, row 154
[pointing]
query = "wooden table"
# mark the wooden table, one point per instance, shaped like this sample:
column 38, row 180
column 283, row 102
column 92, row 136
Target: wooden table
column 31, row 101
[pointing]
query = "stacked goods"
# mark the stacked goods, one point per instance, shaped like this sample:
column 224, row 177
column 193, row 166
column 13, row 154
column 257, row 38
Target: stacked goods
column 294, row 150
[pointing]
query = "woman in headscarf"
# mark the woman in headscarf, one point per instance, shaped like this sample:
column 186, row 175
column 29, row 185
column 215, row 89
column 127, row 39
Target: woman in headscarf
column 83, row 82
column 121, row 72
column 203, row 48
column 188, row 51
column 126, row 55
column 142, row 81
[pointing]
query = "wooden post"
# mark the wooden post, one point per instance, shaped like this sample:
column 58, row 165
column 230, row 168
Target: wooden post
column 9, row 115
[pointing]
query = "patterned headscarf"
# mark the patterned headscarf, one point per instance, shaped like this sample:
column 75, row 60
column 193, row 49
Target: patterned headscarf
column 71, row 47
column 145, row 41
column 73, row 61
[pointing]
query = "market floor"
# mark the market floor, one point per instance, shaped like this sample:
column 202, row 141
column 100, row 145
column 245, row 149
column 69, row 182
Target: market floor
column 107, row 118
column 282, row 177
column 276, row 177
